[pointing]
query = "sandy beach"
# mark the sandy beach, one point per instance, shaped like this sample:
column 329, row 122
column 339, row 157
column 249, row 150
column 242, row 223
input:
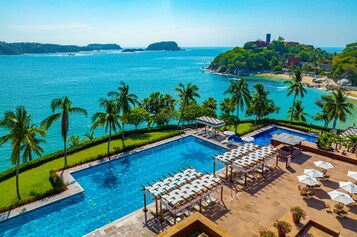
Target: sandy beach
column 308, row 80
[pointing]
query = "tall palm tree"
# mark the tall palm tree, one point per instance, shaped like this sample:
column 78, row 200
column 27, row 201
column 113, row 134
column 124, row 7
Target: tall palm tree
column 261, row 105
column 210, row 103
column 186, row 94
column 109, row 118
column 65, row 106
column 323, row 115
column 20, row 134
column 298, row 114
column 226, row 106
column 124, row 102
column 29, row 147
column 296, row 88
column 338, row 106
column 240, row 94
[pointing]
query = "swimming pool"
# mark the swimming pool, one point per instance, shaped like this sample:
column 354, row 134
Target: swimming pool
column 264, row 137
column 112, row 190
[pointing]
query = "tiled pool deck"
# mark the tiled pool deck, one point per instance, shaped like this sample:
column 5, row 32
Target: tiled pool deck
column 246, row 210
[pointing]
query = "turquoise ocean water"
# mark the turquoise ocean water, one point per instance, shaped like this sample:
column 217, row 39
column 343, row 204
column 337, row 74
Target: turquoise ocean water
column 34, row 80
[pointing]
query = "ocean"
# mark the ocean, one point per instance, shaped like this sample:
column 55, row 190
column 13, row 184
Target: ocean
column 34, row 80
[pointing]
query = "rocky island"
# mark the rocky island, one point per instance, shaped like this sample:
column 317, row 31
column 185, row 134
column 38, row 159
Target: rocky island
column 38, row 48
column 132, row 50
column 164, row 46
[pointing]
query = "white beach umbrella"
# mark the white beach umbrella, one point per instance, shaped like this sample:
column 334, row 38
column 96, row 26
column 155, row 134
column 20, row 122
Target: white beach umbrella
column 323, row 164
column 313, row 173
column 229, row 133
column 349, row 187
column 305, row 179
column 340, row 197
column 352, row 174
column 248, row 139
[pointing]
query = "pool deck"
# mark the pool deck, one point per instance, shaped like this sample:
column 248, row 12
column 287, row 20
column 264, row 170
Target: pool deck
column 248, row 210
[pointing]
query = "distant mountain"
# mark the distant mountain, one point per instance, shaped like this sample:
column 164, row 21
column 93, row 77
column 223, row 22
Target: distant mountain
column 164, row 45
column 38, row 48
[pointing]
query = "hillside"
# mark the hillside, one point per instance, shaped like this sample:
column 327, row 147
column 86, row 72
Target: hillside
column 37, row 48
column 260, row 56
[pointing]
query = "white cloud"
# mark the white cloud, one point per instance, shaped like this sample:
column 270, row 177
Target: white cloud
column 46, row 27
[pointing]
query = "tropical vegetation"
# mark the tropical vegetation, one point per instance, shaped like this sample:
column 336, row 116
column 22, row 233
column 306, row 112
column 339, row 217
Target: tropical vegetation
column 22, row 137
column 65, row 107
column 344, row 65
column 186, row 94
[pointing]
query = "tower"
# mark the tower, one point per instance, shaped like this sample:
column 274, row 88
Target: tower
column 268, row 38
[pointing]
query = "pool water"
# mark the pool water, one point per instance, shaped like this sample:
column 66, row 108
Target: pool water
column 112, row 190
column 264, row 137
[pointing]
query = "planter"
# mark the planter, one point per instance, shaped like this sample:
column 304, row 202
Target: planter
column 296, row 218
column 281, row 234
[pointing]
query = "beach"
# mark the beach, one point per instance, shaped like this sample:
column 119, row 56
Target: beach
column 309, row 81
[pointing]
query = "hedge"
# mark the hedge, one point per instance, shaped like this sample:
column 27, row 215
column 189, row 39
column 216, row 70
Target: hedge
column 60, row 153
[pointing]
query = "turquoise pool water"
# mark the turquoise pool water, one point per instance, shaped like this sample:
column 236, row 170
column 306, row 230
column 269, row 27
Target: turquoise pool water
column 112, row 190
column 264, row 137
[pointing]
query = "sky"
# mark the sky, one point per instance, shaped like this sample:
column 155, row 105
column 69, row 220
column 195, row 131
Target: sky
column 191, row 23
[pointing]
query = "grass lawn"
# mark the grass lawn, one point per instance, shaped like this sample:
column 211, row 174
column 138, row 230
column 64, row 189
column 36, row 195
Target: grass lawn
column 37, row 181
column 243, row 127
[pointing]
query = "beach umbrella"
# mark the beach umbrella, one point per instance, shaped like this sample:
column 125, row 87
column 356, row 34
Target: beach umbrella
column 248, row 139
column 313, row 173
column 352, row 174
column 323, row 164
column 340, row 197
column 305, row 179
column 229, row 133
column 349, row 187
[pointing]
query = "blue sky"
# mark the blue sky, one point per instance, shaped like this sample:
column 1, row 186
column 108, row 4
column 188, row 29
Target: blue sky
column 188, row 22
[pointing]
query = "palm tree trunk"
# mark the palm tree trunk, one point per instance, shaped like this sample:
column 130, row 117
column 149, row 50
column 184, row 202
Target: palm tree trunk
column 180, row 118
column 122, row 135
column 30, row 155
column 238, row 110
column 334, row 122
column 17, row 178
column 65, row 152
column 110, row 136
column 256, row 118
column 292, row 110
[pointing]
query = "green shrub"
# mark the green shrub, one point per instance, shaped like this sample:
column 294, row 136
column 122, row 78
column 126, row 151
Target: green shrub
column 324, row 141
column 56, row 181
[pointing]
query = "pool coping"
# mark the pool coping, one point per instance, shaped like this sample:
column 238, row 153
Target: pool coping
column 74, row 188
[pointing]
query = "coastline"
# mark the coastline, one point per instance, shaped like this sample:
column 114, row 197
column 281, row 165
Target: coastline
column 308, row 80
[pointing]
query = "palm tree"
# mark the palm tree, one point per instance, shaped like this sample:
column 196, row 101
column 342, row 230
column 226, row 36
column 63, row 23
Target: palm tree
column 261, row 105
column 226, row 106
column 28, row 147
column 109, row 118
column 298, row 114
column 124, row 102
column 323, row 115
column 338, row 107
column 352, row 140
column 21, row 134
column 296, row 88
column 186, row 95
column 210, row 103
column 240, row 94
column 75, row 140
column 65, row 106
column 89, row 136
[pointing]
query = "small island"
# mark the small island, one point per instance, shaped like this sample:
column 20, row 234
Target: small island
column 38, row 48
column 132, row 50
column 164, row 46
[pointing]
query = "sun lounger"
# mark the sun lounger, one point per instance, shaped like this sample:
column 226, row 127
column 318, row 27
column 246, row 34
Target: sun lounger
column 171, row 220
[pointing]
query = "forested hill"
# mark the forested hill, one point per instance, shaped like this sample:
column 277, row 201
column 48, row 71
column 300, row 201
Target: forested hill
column 260, row 56
column 22, row 48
